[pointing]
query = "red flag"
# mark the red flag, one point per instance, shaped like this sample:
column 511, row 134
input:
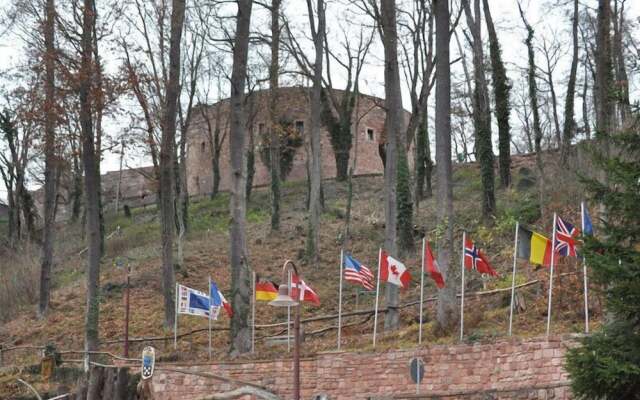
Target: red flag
column 475, row 259
column 300, row 291
column 393, row 271
column 432, row 266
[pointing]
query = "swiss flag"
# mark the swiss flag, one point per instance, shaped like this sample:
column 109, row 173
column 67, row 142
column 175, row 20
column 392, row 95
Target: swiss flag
column 432, row 266
column 393, row 271
column 300, row 291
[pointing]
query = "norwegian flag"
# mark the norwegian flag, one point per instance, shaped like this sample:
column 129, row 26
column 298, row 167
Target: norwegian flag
column 357, row 273
column 566, row 234
column 475, row 259
column 300, row 291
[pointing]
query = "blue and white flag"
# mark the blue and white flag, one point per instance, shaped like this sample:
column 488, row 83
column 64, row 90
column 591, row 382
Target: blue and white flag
column 192, row 302
column 587, row 226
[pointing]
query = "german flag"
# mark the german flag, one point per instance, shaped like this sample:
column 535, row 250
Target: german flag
column 534, row 247
column 266, row 291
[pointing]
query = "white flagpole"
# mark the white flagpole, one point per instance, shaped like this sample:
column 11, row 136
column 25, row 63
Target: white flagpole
column 421, row 292
column 210, row 318
column 289, row 315
column 553, row 257
column 584, row 273
column 513, row 277
column 340, row 299
column 253, row 315
column 464, row 240
column 175, row 321
column 375, row 315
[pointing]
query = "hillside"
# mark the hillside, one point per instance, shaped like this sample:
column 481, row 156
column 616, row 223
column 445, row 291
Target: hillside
column 206, row 254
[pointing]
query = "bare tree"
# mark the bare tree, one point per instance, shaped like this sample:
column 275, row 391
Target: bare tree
column 50, row 188
column 533, row 99
column 481, row 111
column 620, row 68
column 550, row 50
column 318, row 35
column 604, row 71
column 447, row 307
column 240, row 333
column 167, row 154
column 569, row 126
column 90, row 161
column 501, row 88
column 274, row 128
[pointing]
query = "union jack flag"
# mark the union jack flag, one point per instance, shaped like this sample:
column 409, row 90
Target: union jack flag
column 566, row 234
column 357, row 273
column 474, row 259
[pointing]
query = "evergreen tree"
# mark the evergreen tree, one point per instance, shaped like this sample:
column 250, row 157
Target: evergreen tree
column 607, row 365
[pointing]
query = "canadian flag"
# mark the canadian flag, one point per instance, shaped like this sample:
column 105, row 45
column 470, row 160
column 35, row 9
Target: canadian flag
column 393, row 271
column 432, row 266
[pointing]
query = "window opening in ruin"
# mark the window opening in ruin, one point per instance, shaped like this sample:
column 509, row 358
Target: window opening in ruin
column 261, row 129
column 370, row 135
column 300, row 127
column 203, row 147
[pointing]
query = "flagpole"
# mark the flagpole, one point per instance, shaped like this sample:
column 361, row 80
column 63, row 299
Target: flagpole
column 289, row 316
column 513, row 277
column 464, row 240
column 340, row 299
column 253, row 315
column 553, row 257
column 421, row 292
column 175, row 321
column 210, row 318
column 584, row 273
column 375, row 315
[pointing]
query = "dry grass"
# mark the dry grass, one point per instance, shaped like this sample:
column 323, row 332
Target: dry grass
column 19, row 277
column 206, row 254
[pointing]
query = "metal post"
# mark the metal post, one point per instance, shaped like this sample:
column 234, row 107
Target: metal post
column 553, row 257
column 289, row 316
column 175, row 321
column 126, row 312
column 421, row 295
column 296, row 354
column 375, row 315
column 584, row 273
column 340, row 300
column 210, row 318
column 513, row 278
column 464, row 240
column 253, row 315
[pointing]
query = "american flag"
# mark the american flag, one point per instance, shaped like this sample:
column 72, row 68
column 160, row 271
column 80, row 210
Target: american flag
column 566, row 234
column 357, row 273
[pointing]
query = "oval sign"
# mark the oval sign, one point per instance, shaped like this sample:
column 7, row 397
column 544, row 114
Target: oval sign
column 416, row 369
column 148, row 362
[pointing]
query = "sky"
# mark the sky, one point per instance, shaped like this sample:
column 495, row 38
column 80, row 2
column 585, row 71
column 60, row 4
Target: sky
column 547, row 21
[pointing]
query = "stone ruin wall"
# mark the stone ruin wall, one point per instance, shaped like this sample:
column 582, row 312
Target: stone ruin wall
column 294, row 106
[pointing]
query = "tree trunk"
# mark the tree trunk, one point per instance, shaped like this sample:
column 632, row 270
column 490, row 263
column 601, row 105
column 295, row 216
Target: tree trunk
column 447, row 306
column 604, row 105
column 313, row 237
column 274, row 129
column 622, row 78
column 91, row 185
column 240, row 334
column 396, row 161
column 481, row 113
column 50, row 189
column 569, row 126
column 533, row 99
column 167, row 154
column 501, row 90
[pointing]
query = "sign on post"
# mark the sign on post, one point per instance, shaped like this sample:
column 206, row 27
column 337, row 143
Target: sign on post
column 416, row 368
column 148, row 362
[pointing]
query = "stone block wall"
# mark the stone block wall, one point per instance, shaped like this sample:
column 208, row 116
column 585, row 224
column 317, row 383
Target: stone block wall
column 510, row 369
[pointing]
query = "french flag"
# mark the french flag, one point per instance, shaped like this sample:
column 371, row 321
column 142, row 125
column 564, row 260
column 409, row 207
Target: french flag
column 218, row 300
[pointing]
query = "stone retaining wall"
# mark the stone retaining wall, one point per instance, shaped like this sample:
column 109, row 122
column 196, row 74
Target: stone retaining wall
column 511, row 369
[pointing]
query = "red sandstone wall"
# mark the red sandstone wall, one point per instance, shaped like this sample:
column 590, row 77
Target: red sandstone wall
column 515, row 369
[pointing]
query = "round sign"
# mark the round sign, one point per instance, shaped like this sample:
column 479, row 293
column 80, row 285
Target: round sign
column 416, row 369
